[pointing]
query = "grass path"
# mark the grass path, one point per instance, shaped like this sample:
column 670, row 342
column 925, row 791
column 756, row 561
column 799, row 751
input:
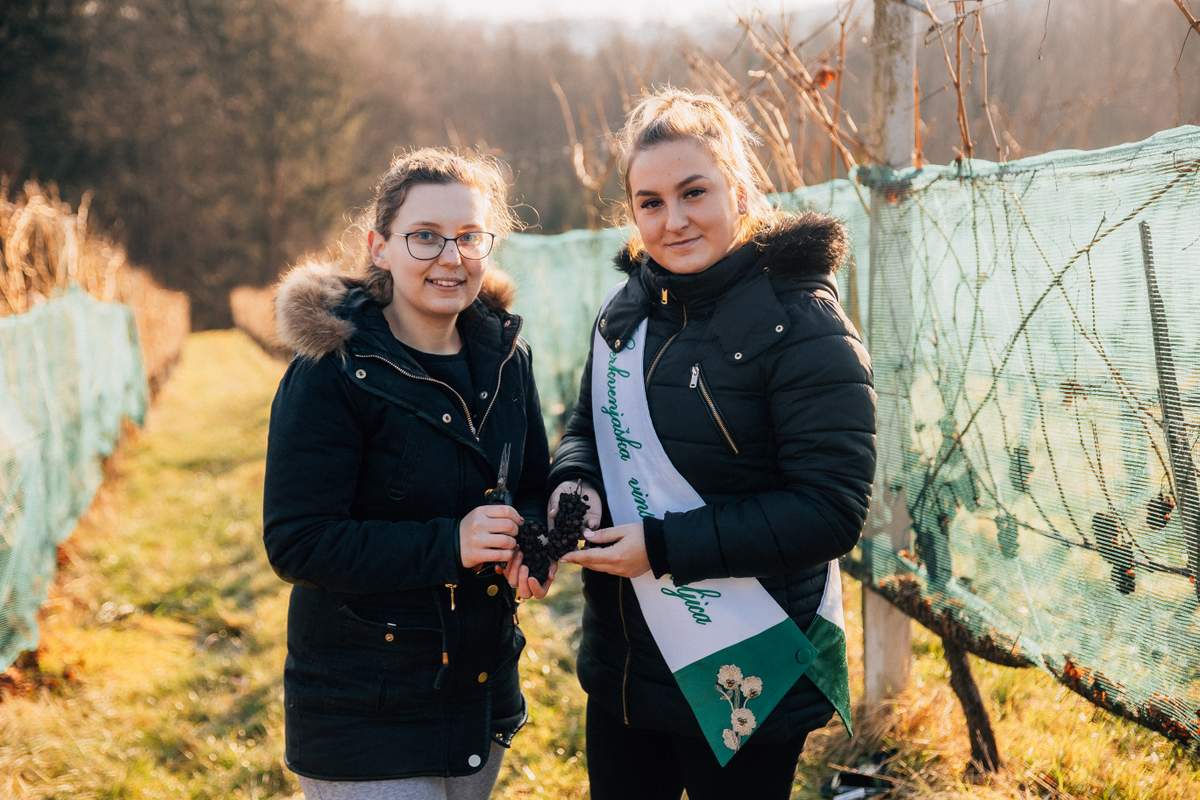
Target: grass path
column 163, row 644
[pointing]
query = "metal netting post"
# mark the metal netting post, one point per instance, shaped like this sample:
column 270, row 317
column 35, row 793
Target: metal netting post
column 887, row 632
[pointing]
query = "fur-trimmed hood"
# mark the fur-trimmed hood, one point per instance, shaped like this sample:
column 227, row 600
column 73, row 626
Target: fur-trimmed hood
column 746, row 291
column 310, row 314
column 805, row 245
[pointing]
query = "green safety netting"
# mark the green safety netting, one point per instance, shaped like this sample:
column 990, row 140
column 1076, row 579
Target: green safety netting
column 70, row 370
column 1039, row 402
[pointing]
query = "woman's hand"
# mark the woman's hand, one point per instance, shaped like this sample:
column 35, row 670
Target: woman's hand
column 488, row 533
column 623, row 553
column 591, row 520
column 517, row 575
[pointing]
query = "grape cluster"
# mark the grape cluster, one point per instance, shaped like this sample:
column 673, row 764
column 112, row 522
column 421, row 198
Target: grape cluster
column 541, row 547
column 1111, row 539
column 1159, row 512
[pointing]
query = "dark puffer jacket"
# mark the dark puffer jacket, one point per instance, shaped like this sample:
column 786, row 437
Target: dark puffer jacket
column 400, row 662
column 761, row 392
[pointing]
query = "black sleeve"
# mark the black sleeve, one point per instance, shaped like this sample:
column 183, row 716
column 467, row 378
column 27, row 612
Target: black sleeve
column 822, row 407
column 656, row 546
column 576, row 455
column 314, row 450
column 530, row 497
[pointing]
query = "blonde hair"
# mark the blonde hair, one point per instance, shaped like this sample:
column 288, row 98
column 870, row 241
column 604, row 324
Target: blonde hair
column 434, row 165
column 671, row 115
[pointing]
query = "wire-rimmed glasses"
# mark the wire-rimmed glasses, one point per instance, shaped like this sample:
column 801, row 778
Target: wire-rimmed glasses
column 426, row 245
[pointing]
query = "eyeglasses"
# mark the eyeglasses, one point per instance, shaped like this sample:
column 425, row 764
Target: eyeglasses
column 427, row 245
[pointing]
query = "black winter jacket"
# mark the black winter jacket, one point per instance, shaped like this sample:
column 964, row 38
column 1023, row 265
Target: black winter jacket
column 400, row 661
column 761, row 392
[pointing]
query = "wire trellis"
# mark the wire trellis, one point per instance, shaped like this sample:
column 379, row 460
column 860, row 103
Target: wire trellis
column 1021, row 411
column 1036, row 380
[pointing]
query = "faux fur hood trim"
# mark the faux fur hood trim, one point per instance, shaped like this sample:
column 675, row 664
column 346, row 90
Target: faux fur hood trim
column 309, row 295
column 805, row 245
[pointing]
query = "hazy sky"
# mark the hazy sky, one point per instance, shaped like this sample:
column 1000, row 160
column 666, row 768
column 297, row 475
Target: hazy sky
column 633, row 11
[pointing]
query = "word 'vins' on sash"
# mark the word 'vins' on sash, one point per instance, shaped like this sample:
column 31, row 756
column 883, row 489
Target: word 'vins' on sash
column 734, row 652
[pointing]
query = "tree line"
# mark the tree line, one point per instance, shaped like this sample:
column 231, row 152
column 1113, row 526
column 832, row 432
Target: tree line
column 221, row 139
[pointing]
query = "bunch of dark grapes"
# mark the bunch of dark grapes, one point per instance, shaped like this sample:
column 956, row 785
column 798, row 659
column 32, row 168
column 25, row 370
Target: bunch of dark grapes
column 568, row 522
column 532, row 540
column 541, row 547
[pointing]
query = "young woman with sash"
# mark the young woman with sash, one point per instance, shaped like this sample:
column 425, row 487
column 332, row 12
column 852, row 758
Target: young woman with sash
column 410, row 401
column 727, row 416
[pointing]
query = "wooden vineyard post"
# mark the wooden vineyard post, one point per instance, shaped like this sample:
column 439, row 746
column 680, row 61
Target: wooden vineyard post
column 887, row 632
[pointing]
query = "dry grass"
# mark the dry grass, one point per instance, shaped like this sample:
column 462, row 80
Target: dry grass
column 163, row 646
column 162, row 641
column 254, row 314
column 45, row 247
column 1055, row 745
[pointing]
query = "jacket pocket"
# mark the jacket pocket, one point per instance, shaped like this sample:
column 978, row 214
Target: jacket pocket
column 700, row 386
column 380, row 668
column 327, row 687
column 408, row 643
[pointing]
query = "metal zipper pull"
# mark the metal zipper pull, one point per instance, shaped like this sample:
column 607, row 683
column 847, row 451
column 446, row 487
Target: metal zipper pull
column 664, row 297
column 695, row 376
column 451, row 587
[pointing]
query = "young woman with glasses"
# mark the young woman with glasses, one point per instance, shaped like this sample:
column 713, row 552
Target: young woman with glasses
column 406, row 446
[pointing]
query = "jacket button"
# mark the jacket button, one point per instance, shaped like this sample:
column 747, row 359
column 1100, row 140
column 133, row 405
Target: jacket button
column 446, row 418
column 603, row 322
column 388, row 637
column 493, row 590
column 779, row 329
column 360, row 374
column 617, row 344
column 474, row 761
column 482, row 678
column 483, row 395
column 508, row 323
column 737, row 356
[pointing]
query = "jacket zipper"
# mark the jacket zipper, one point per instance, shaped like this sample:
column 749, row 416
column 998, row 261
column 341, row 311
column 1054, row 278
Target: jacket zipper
column 443, row 384
column 699, row 383
column 658, row 356
column 466, row 411
column 445, row 651
column 475, row 432
column 628, row 650
column 500, row 376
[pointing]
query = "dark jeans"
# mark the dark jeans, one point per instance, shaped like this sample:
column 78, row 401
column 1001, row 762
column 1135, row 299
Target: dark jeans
column 638, row 764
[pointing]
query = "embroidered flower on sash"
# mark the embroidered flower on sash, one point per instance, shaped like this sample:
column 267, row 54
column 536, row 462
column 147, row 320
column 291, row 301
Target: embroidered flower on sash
column 743, row 721
column 730, row 676
column 738, row 690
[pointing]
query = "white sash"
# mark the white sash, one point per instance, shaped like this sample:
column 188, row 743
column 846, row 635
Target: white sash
column 640, row 481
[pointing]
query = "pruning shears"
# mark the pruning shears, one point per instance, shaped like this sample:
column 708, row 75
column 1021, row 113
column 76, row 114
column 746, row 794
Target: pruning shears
column 499, row 495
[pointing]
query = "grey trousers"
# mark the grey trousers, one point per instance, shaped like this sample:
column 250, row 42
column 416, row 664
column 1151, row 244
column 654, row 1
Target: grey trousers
column 469, row 787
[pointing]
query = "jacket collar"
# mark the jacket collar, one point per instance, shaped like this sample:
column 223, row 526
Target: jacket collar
column 320, row 310
column 801, row 252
